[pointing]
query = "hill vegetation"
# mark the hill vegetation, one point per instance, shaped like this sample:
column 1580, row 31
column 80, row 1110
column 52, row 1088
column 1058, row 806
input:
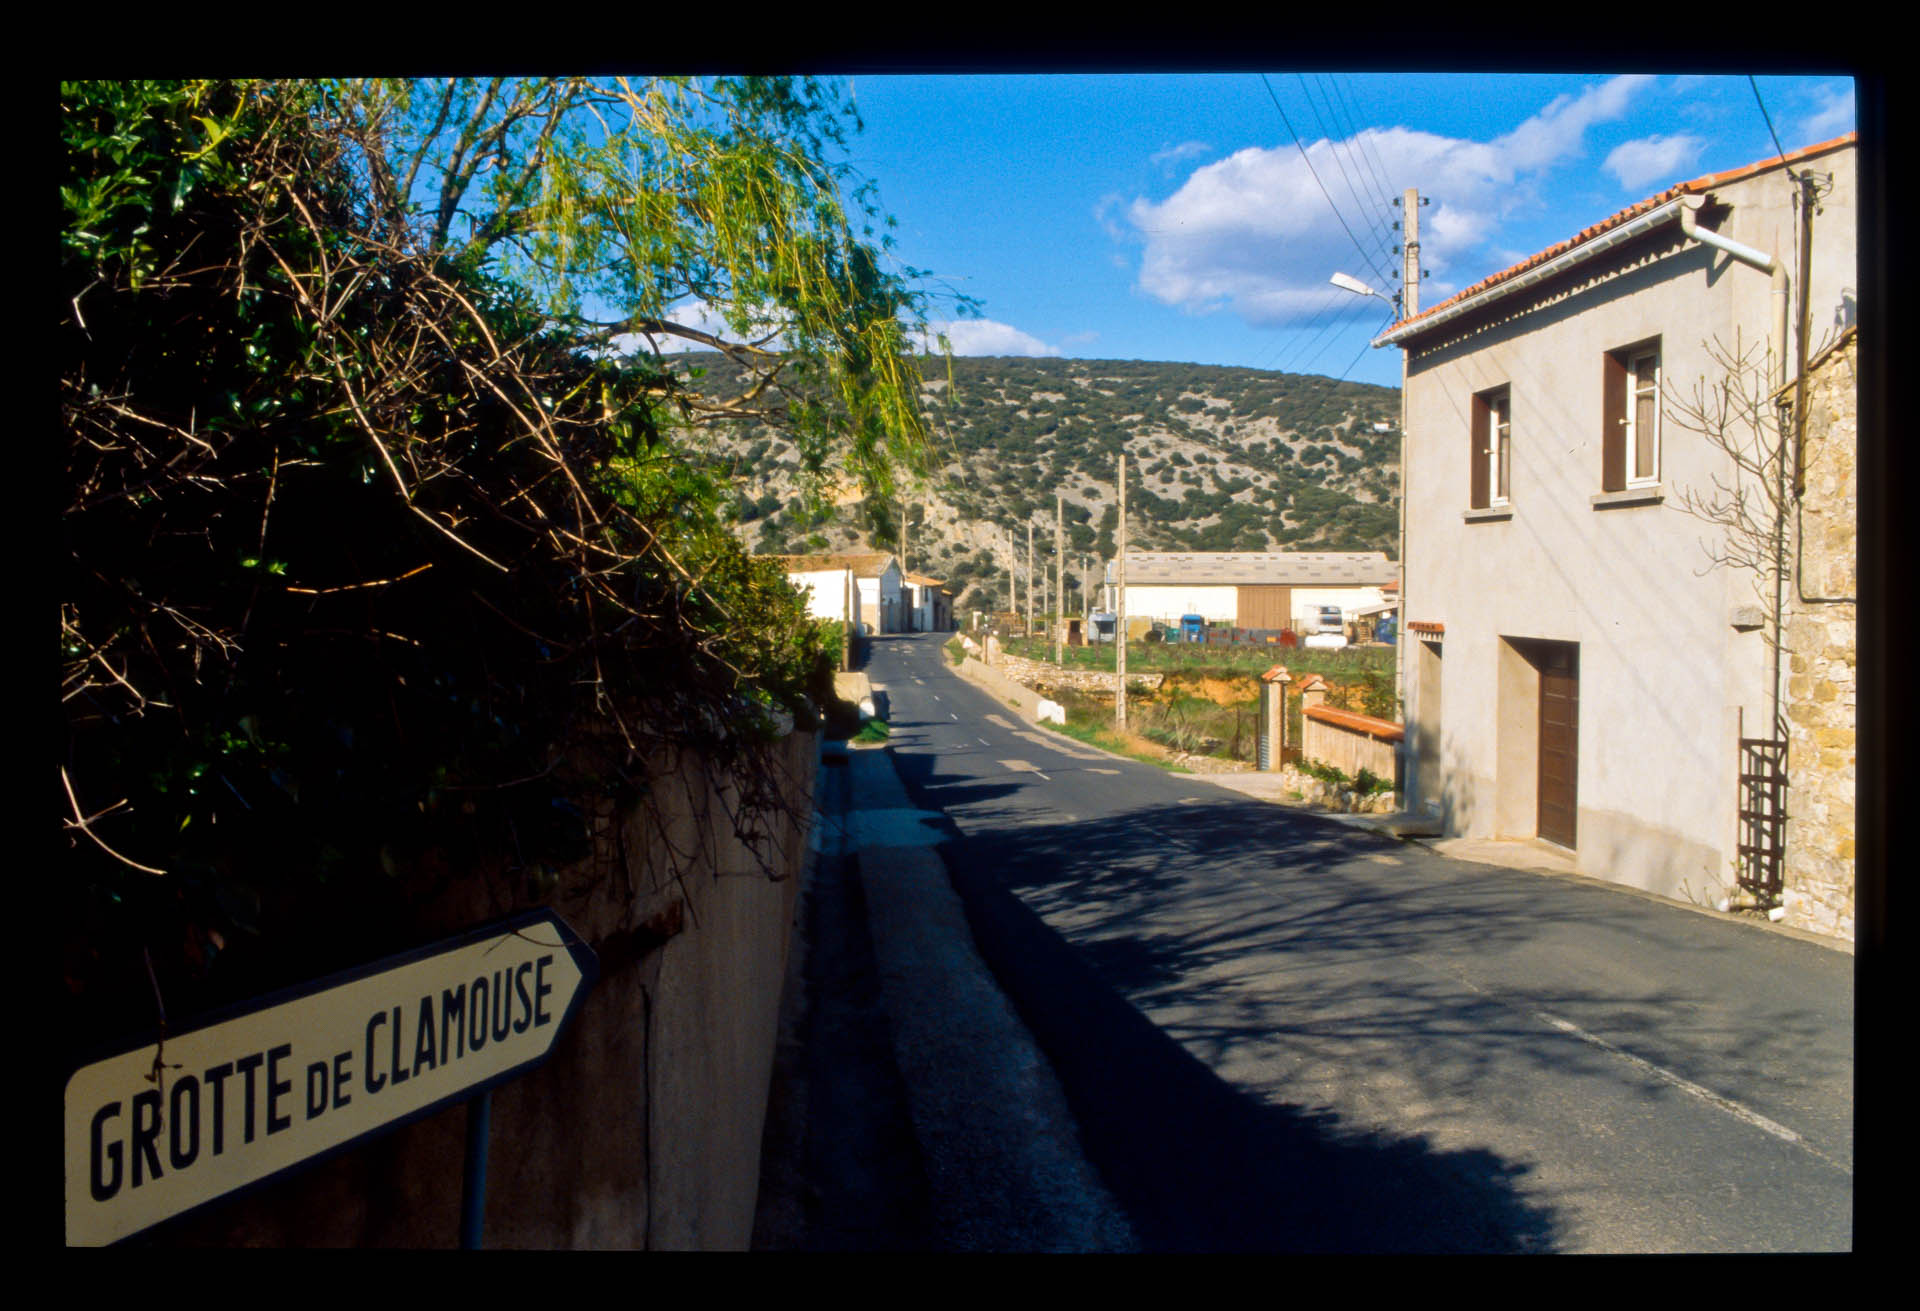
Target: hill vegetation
column 1221, row 459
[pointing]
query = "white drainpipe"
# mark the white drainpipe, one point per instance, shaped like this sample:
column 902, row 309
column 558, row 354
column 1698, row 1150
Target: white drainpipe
column 1777, row 341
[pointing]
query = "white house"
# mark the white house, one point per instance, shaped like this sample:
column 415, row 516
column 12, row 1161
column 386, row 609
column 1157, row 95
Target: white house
column 1578, row 669
column 1251, row 589
column 828, row 584
column 879, row 601
column 929, row 604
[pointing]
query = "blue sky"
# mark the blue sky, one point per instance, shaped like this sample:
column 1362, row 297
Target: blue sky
column 1173, row 216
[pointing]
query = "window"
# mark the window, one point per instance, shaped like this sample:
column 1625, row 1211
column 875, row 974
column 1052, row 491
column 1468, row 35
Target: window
column 1630, row 413
column 1492, row 461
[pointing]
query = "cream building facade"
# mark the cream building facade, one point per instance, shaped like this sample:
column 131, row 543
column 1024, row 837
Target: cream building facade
column 1578, row 669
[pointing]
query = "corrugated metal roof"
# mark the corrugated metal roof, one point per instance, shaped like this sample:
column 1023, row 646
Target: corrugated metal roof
column 1255, row 568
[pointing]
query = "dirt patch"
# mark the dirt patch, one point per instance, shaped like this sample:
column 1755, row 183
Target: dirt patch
column 1220, row 691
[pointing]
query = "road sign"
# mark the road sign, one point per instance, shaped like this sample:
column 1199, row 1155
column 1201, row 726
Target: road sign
column 276, row 1083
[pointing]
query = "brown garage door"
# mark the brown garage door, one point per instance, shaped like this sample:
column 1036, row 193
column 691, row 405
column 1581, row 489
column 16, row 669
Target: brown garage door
column 1559, row 664
column 1263, row 605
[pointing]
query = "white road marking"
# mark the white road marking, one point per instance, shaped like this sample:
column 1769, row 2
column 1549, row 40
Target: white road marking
column 951, row 715
column 983, row 742
column 1692, row 1089
column 1002, row 721
column 1023, row 767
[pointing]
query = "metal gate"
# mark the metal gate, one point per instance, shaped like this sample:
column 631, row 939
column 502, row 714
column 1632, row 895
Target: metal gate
column 1763, row 816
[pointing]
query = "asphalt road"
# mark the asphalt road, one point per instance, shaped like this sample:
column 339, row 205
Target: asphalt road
column 1277, row 1032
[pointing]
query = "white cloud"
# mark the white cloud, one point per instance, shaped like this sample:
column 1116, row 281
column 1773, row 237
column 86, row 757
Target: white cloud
column 986, row 337
column 1639, row 165
column 1556, row 132
column 1185, row 150
column 1253, row 233
column 1833, row 116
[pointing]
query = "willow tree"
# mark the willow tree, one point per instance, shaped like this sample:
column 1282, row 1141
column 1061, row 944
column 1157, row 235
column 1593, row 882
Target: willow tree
column 662, row 212
column 379, row 559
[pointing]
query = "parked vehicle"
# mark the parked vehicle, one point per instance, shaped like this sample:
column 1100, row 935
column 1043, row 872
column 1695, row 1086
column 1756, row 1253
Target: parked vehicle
column 1193, row 628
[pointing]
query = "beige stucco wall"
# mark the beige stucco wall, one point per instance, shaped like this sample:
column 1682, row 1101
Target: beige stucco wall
column 826, row 591
column 1664, row 677
column 881, row 604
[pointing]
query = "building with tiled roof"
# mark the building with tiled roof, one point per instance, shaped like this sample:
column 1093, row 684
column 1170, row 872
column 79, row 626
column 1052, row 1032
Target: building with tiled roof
column 1581, row 663
column 929, row 604
column 861, row 587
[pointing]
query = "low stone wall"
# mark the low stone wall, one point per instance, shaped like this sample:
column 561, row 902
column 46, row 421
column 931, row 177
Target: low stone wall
column 1046, row 675
column 643, row 1128
column 1319, row 792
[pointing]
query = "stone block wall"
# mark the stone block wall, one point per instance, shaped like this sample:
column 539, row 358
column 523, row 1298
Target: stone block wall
column 1819, row 655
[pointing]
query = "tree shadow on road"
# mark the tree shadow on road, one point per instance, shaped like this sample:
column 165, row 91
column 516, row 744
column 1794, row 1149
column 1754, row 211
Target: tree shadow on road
column 1201, row 1166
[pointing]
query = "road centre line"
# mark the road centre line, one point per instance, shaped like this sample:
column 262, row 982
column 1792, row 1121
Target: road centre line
column 1692, row 1089
column 1745, row 1114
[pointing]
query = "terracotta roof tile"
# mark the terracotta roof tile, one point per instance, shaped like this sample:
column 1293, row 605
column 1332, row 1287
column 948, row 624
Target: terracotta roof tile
column 1696, row 187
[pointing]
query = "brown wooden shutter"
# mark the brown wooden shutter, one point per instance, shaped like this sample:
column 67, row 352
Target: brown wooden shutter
column 1613, row 423
column 1477, row 478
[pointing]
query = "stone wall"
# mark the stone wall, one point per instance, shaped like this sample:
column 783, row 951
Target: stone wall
column 643, row 1128
column 1049, row 677
column 1819, row 654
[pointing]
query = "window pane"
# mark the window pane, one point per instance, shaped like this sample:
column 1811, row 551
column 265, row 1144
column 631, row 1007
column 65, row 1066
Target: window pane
column 1503, row 445
column 1643, row 419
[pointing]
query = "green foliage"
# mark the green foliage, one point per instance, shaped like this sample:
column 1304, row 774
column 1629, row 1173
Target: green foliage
column 374, row 569
column 1369, row 784
column 1326, row 773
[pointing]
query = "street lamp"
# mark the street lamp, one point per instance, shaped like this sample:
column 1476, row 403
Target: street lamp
column 1360, row 288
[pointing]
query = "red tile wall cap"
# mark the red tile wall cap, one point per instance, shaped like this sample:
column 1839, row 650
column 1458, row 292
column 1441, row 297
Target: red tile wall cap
column 1277, row 674
column 1385, row 730
column 1311, row 682
column 1693, row 188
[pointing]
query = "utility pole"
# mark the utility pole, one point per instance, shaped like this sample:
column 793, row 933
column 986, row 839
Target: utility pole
column 1120, row 613
column 1029, row 578
column 1409, row 306
column 1059, row 577
column 1013, row 580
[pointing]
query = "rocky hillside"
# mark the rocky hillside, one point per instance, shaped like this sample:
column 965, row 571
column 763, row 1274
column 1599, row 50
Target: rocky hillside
column 1218, row 459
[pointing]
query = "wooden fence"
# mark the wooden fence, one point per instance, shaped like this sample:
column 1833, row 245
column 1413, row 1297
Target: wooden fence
column 1350, row 741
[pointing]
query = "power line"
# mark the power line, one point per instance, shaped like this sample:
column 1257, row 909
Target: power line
column 1364, row 348
column 1334, row 149
column 1782, row 150
column 1377, row 193
column 1364, row 258
column 1369, row 152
